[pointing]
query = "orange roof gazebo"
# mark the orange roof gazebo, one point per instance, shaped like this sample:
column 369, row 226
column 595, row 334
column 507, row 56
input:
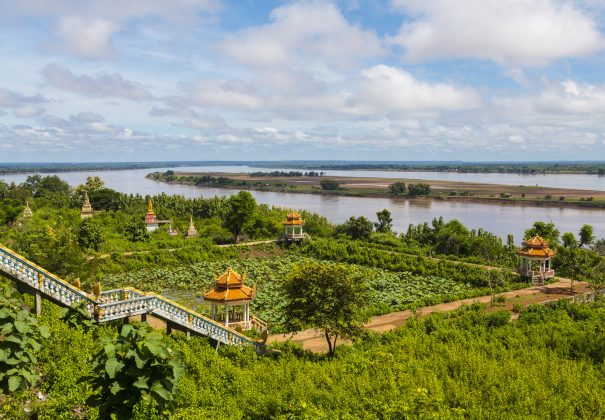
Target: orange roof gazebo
column 293, row 227
column 231, row 293
column 293, row 219
column 230, row 287
column 536, row 251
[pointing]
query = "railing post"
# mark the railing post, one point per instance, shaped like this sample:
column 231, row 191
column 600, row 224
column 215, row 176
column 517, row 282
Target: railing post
column 38, row 302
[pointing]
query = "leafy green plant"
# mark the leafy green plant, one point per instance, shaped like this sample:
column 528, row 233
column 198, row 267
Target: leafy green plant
column 20, row 338
column 137, row 364
column 77, row 316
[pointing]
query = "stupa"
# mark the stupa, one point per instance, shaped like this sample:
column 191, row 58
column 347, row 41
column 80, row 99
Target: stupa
column 87, row 210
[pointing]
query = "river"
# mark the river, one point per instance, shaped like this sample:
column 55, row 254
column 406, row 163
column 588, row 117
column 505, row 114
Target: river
column 498, row 219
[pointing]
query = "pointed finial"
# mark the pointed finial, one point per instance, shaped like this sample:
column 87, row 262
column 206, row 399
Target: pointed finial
column 149, row 206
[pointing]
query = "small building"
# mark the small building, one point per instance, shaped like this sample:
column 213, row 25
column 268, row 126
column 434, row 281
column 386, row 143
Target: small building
column 150, row 219
column 191, row 230
column 535, row 260
column 293, row 228
column 234, row 297
column 87, row 210
column 27, row 211
column 172, row 231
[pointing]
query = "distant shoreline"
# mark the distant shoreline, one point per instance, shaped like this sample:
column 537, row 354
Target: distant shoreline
column 525, row 168
column 376, row 188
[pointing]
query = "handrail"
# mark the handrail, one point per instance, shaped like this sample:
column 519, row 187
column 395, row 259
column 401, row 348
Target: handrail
column 6, row 255
column 116, row 303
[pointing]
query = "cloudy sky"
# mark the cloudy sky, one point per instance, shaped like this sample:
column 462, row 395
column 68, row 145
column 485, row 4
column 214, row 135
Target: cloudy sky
column 124, row 80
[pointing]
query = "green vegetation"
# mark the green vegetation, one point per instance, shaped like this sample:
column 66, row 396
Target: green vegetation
column 137, row 365
column 20, row 337
column 327, row 297
column 548, row 364
column 329, row 185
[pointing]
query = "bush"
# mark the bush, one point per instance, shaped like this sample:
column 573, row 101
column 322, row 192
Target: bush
column 329, row 185
column 137, row 364
column 20, row 338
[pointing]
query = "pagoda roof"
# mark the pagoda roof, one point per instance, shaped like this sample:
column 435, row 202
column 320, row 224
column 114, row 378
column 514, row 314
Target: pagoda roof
column 294, row 219
column 230, row 287
column 536, row 247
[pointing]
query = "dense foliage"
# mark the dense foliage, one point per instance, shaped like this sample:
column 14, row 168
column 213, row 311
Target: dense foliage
column 20, row 338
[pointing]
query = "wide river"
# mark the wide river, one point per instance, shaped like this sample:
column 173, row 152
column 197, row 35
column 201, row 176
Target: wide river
column 498, row 219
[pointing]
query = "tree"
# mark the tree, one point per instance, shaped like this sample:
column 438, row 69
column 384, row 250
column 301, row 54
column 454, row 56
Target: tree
column 137, row 364
column 569, row 240
column 10, row 210
column 596, row 279
column 452, row 238
column 586, row 235
column 397, row 188
column 93, row 183
column 357, row 227
column 327, row 297
column 329, row 184
column 495, row 280
column 385, row 221
column 89, row 234
column 20, row 338
column 240, row 211
column 599, row 247
column 136, row 230
column 419, row 189
column 546, row 231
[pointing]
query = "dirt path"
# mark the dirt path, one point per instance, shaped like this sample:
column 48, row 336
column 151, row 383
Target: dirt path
column 129, row 253
column 312, row 340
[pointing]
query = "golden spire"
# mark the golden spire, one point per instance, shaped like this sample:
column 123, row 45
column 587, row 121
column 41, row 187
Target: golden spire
column 150, row 207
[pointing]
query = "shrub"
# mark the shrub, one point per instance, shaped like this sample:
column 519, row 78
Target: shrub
column 135, row 365
column 329, row 184
column 20, row 337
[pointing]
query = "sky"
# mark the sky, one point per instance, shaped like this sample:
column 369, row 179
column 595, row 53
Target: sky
column 139, row 80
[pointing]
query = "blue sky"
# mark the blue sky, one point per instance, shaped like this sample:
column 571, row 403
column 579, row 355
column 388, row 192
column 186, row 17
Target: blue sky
column 117, row 80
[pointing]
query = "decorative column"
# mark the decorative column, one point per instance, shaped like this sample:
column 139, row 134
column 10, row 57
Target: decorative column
column 226, row 315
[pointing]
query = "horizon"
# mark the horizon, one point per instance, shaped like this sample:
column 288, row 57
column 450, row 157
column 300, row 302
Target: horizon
column 305, row 79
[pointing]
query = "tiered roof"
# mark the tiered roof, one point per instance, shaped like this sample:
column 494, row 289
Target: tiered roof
column 230, row 287
column 536, row 247
column 294, row 219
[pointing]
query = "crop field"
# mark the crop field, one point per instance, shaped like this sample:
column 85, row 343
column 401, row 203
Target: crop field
column 390, row 291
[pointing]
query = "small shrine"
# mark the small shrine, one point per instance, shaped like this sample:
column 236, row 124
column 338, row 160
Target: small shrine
column 172, row 231
column 191, row 230
column 293, row 228
column 27, row 211
column 87, row 210
column 233, row 296
column 535, row 260
column 150, row 219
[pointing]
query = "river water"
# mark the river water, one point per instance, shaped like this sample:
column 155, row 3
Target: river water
column 498, row 219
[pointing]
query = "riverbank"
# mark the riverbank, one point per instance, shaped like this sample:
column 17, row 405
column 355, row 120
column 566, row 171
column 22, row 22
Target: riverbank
column 379, row 188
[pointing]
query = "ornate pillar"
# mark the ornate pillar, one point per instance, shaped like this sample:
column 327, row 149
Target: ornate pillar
column 226, row 315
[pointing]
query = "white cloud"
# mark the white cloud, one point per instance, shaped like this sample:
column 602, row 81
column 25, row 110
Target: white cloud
column 87, row 37
column 511, row 32
column 302, row 33
column 387, row 89
column 22, row 106
column 86, row 28
column 101, row 85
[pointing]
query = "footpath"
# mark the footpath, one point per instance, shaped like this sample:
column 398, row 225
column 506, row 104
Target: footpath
column 312, row 340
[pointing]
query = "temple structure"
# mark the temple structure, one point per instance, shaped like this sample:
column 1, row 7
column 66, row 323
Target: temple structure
column 150, row 219
column 535, row 260
column 191, row 230
column 293, row 228
column 87, row 210
column 27, row 211
column 172, row 231
column 232, row 296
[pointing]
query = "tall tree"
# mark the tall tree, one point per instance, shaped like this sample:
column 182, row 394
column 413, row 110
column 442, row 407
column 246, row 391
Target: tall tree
column 385, row 221
column 569, row 240
column 240, row 211
column 547, row 231
column 586, row 235
column 357, row 227
column 327, row 297
column 89, row 234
